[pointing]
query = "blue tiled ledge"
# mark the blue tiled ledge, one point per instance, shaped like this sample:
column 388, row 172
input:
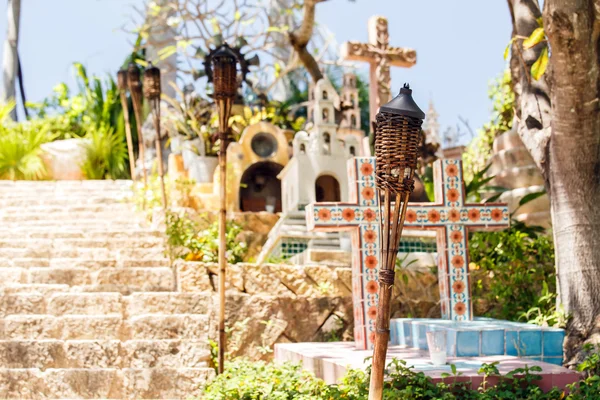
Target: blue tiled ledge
column 483, row 337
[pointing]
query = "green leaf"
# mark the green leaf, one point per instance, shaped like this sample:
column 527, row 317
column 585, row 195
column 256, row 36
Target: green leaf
column 537, row 36
column 508, row 47
column 453, row 368
column 530, row 197
column 539, row 67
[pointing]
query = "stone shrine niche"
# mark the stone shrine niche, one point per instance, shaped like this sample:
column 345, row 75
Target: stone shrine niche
column 254, row 163
column 327, row 188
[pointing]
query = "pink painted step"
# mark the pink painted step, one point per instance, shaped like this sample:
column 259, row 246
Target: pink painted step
column 330, row 362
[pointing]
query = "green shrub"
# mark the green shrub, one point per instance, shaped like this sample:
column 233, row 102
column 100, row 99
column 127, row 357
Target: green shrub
column 517, row 271
column 106, row 155
column 185, row 239
column 20, row 151
column 265, row 381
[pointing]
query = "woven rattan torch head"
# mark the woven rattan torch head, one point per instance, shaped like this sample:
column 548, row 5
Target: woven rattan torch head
column 397, row 139
column 122, row 82
column 224, row 73
column 134, row 75
column 152, row 87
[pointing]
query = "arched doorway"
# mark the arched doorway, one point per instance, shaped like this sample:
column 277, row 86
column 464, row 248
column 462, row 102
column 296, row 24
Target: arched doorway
column 260, row 190
column 327, row 188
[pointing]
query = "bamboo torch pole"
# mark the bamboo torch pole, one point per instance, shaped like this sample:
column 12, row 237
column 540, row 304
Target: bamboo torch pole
column 152, row 92
column 123, row 87
column 225, row 89
column 135, row 88
column 397, row 137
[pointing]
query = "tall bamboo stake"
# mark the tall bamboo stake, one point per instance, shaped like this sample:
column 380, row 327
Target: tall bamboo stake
column 397, row 137
column 135, row 88
column 225, row 89
column 152, row 91
column 123, row 87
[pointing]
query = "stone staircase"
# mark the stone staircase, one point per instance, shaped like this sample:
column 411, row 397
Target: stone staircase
column 89, row 307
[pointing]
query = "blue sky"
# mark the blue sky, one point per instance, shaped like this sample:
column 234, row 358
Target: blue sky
column 459, row 43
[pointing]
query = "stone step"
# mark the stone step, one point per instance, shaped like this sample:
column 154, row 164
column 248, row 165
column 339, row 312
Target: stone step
column 103, row 216
column 101, row 303
column 105, row 327
column 52, row 353
column 60, row 243
column 124, row 280
column 83, row 253
column 89, row 233
column 27, row 262
column 109, row 383
column 42, row 289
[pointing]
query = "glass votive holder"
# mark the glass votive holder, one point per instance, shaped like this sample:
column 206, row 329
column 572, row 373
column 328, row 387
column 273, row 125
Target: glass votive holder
column 436, row 340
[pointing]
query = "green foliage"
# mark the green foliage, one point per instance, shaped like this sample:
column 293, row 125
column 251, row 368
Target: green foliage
column 106, row 154
column 94, row 112
column 20, row 152
column 518, row 271
column 185, row 239
column 479, row 151
column 261, row 381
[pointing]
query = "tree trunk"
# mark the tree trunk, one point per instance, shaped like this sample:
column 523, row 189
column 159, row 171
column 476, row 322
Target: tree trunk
column 532, row 97
column 11, row 60
column 573, row 29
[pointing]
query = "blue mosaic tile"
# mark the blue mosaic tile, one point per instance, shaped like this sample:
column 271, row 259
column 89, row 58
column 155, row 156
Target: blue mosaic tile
column 553, row 360
column 492, row 342
column 393, row 333
column 553, row 343
column 467, row 343
column 512, row 343
column 451, row 343
column 530, row 342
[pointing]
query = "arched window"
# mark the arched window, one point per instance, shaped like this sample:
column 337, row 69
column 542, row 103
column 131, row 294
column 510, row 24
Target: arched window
column 353, row 100
column 325, row 115
column 353, row 121
column 325, row 95
column 352, row 151
column 302, row 148
column 326, row 143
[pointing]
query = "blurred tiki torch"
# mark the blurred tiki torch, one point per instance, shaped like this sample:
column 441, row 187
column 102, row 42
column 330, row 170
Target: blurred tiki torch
column 135, row 88
column 123, row 88
column 397, row 137
column 152, row 91
column 225, row 83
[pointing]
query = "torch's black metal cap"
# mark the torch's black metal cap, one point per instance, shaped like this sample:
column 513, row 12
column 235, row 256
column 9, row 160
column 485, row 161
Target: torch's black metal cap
column 403, row 104
column 224, row 51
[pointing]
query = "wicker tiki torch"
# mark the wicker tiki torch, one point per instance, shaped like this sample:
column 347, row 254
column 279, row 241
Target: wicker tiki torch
column 123, row 88
column 152, row 91
column 396, row 144
column 225, row 88
column 135, row 88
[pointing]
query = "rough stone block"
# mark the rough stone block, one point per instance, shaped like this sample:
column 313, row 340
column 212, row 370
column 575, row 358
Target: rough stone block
column 66, row 276
column 83, row 383
column 167, row 303
column 192, row 277
column 177, row 326
column 29, row 327
column 138, row 279
column 85, row 303
column 22, row 303
column 41, row 354
column 92, row 354
column 91, row 327
column 166, row 383
column 166, row 353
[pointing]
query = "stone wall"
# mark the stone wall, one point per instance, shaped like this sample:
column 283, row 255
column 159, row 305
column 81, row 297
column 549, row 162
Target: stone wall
column 268, row 304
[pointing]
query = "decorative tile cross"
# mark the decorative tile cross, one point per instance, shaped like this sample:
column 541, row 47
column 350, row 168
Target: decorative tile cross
column 381, row 56
column 449, row 216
